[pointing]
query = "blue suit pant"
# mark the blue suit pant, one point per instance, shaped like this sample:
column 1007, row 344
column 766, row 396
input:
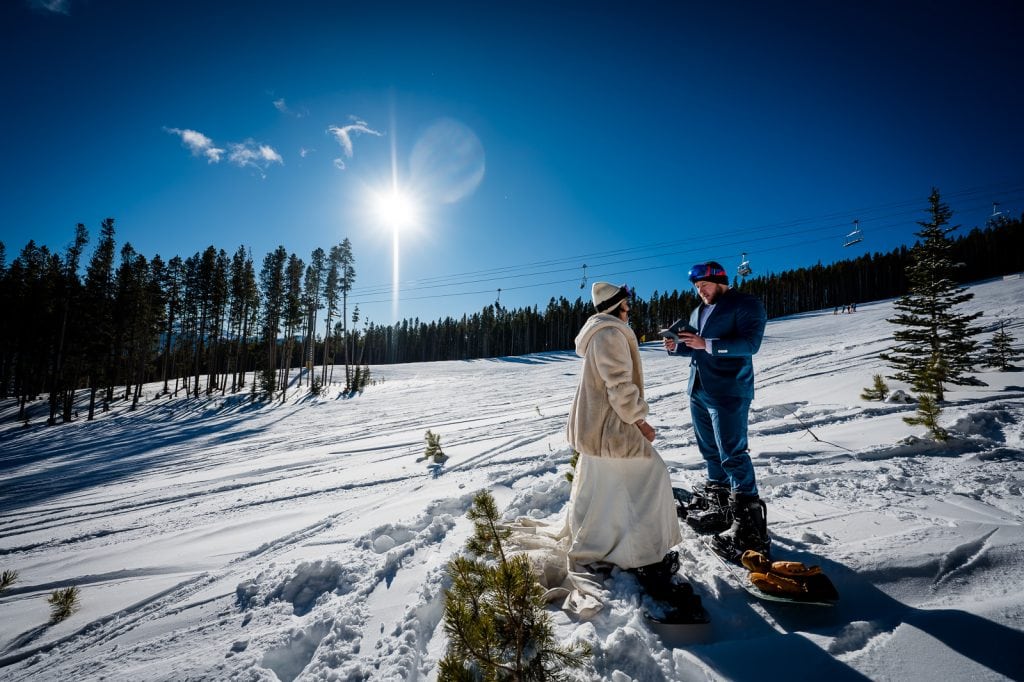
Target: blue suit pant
column 720, row 425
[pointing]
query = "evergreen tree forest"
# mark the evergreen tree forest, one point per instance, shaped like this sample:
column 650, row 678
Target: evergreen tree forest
column 103, row 319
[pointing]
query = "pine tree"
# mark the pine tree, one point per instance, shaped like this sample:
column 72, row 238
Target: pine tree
column 573, row 459
column 69, row 289
column 99, row 313
column 494, row 612
column 878, row 390
column 63, row 602
column 272, row 284
column 8, row 578
column 934, row 345
column 928, row 412
column 1000, row 353
column 330, row 296
column 346, row 278
column 311, row 299
column 291, row 316
column 433, row 450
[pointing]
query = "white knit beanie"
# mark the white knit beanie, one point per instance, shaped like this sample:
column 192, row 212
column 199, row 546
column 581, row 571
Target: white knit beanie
column 606, row 297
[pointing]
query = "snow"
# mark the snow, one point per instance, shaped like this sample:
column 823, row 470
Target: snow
column 217, row 539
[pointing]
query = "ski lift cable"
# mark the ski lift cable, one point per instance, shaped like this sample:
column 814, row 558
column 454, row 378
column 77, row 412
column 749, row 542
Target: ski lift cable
column 431, row 281
column 700, row 249
column 509, row 270
column 605, row 275
column 692, row 248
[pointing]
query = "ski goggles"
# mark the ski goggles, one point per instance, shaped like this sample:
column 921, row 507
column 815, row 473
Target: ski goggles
column 704, row 271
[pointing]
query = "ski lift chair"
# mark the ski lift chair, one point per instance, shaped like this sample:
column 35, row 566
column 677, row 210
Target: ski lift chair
column 855, row 237
column 743, row 270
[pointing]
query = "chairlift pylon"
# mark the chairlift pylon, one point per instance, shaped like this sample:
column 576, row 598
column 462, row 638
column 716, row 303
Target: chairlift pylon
column 744, row 269
column 855, row 236
column 497, row 301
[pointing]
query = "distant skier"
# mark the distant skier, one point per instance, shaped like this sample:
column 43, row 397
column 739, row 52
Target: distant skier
column 730, row 327
column 621, row 510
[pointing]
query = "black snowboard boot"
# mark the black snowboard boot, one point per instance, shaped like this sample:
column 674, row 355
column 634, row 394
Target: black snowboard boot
column 749, row 529
column 678, row 603
column 709, row 511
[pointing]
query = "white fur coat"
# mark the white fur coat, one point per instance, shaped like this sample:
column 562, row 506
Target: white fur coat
column 610, row 396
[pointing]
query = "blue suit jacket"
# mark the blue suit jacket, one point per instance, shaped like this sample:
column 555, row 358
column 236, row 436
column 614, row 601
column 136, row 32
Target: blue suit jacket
column 735, row 327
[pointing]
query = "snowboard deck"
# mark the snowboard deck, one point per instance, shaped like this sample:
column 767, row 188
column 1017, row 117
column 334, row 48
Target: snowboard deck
column 704, row 620
column 737, row 572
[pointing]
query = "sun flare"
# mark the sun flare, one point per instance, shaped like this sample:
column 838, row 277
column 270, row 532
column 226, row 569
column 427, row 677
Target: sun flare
column 395, row 209
column 398, row 212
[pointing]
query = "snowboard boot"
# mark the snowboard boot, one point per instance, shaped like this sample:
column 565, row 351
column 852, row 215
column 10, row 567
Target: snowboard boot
column 710, row 512
column 749, row 529
column 678, row 604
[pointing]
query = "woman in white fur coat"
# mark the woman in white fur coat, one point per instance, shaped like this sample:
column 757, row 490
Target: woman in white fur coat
column 621, row 509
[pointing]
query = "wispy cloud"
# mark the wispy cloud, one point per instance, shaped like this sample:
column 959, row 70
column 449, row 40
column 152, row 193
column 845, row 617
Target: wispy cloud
column 283, row 107
column 57, row 6
column 247, row 154
column 344, row 135
column 199, row 144
column 303, row 152
column 253, row 155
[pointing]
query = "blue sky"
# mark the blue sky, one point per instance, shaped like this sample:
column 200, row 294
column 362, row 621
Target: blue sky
column 534, row 136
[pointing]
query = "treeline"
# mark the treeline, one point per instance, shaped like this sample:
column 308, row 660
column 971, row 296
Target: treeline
column 200, row 324
column 197, row 324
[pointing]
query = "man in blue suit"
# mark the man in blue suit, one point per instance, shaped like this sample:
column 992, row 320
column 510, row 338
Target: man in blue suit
column 725, row 332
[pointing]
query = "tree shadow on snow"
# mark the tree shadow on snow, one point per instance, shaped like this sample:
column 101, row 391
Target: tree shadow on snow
column 534, row 359
column 105, row 451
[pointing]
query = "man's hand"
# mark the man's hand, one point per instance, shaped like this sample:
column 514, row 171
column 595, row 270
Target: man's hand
column 646, row 429
column 693, row 341
column 670, row 344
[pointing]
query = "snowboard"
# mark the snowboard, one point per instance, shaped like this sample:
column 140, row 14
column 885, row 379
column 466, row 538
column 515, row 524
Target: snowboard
column 665, row 619
column 737, row 573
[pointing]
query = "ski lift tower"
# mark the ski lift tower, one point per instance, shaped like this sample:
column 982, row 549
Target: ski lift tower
column 855, row 237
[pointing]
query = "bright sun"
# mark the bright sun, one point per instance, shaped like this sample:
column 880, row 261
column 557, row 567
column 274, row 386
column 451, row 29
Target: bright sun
column 395, row 209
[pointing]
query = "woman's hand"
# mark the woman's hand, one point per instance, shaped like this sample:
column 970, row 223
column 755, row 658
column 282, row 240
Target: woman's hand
column 646, row 429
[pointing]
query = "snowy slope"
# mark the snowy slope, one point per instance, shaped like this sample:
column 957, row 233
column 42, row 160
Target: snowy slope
column 216, row 539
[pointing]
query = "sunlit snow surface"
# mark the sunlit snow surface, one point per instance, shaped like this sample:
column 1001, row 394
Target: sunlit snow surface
column 217, row 539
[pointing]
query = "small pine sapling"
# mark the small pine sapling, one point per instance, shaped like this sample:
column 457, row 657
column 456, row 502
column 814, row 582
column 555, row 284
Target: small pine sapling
column 878, row 390
column 1000, row 353
column 63, row 603
column 7, row 578
column 268, row 383
column 433, row 450
column 573, row 458
column 494, row 612
column 928, row 412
